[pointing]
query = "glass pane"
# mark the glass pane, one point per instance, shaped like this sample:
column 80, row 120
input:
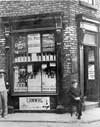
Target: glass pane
column 91, row 72
column 34, row 77
column 49, row 77
column 20, row 48
column 20, row 78
column 91, row 55
column 34, row 48
column 89, row 39
column 48, row 47
column 48, row 43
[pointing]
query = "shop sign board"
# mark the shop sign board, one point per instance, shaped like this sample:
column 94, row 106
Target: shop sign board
column 89, row 26
column 34, row 103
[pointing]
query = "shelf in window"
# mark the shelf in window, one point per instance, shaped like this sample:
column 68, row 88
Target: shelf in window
column 34, row 94
column 33, row 62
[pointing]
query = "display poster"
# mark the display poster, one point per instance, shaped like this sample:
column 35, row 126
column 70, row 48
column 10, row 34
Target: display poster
column 20, row 44
column 34, row 43
column 49, row 77
column 34, row 103
column 48, row 43
column 91, row 72
column 20, row 84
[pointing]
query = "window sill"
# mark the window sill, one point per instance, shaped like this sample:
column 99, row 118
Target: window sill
column 87, row 5
column 33, row 94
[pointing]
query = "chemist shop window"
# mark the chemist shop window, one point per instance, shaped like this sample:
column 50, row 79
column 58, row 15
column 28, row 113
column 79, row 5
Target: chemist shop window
column 34, row 62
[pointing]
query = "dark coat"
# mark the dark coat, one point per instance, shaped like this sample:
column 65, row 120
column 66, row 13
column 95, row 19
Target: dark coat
column 73, row 93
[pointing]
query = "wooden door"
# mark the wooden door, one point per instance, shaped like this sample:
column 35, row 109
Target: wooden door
column 90, row 69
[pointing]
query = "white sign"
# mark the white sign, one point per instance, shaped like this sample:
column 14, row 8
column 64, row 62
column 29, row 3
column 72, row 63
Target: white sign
column 33, row 43
column 34, row 103
column 91, row 72
column 89, row 26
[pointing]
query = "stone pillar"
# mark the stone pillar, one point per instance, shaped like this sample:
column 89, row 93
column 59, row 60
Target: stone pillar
column 59, row 69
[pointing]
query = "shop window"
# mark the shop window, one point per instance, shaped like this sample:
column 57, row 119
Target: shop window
column 91, row 63
column 34, row 62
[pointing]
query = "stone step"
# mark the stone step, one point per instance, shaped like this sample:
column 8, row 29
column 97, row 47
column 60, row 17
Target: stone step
column 89, row 105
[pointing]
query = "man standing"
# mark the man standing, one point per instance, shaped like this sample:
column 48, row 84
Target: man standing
column 3, row 94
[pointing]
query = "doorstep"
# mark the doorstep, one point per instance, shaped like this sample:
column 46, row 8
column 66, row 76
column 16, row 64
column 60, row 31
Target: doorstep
column 90, row 105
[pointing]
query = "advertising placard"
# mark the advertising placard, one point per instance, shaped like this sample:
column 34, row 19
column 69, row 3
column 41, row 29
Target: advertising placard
column 91, row 72
column 34, row 43
column 34, row 103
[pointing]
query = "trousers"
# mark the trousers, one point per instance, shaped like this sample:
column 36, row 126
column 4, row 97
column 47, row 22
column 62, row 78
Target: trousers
column 78, row 105
column 3, row 97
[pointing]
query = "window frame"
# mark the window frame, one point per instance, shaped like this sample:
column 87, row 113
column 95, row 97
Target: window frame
column 16, row 63
column 92, row 2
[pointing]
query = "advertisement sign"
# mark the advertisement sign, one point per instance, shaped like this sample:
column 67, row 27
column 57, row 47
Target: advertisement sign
column 34, row 103
column 20, row 44
column 48, row 42
column 91, row 72
column 34, row 43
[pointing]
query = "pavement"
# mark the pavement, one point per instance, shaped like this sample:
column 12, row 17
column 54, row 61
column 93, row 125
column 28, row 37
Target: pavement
column 89, row 116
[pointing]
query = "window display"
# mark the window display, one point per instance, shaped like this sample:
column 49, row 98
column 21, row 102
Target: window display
column 35, row 63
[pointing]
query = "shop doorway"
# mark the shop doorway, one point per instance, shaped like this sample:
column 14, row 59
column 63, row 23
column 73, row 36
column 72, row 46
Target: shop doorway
column 90, row 72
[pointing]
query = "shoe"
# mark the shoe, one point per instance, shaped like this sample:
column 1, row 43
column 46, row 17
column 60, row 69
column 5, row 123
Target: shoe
column 79, row 117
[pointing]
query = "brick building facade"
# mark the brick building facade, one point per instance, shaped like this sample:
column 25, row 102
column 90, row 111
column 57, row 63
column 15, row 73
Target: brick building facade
column 72, row 27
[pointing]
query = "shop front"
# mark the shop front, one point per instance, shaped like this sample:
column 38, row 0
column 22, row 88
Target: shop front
column 88, row 29
column 34, row 61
